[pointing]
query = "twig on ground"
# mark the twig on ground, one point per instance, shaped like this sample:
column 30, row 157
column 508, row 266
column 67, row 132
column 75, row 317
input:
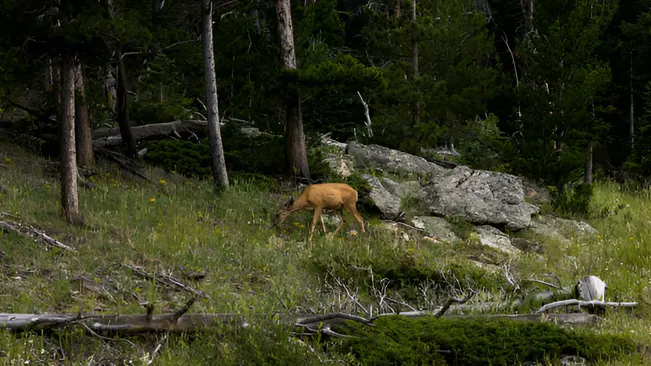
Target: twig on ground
column 166, row 280
column 401, row 303
column 543, row 283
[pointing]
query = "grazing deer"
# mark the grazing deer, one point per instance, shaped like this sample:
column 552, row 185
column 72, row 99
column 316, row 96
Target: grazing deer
column 329, row 196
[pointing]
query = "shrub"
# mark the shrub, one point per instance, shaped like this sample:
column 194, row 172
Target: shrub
column 429, row 341
column 574, row 201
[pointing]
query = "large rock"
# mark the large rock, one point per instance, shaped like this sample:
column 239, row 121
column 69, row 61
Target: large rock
column 387, row 203
column 435, row 227
column 394, row 161
column 339, row 164
column 557, row 228
column 480, row 197
column 496, row 239
column 401, row 189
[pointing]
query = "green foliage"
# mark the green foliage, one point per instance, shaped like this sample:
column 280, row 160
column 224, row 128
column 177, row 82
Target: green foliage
column 400, row 340
column 461, row 228
column 485, row 146
column 574, row 200
column 263, row 154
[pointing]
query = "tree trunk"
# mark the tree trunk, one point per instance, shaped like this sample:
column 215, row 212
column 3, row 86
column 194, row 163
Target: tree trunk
column 48, row 76
column 529, row 20
column 414, row 55
column 123, row 109
column 83, row 138
column 216, row 148
column 588, row 163
column 295, row 150
column 69, row 198
column 396, row 8
column 631, row 126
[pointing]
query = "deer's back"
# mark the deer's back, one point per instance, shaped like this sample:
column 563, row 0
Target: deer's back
column 330, row 194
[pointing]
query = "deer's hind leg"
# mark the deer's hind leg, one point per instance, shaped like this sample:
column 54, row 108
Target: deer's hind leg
column 353, row 209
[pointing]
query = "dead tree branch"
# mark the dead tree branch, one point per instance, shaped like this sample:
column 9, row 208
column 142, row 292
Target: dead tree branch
column 454, row 300
column 167, row 281
column 367, row 114
column 27, row 230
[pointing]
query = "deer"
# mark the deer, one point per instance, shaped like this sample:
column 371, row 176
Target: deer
column 320, row 197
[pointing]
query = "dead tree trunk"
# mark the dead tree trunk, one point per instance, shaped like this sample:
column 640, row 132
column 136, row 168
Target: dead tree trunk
column 295, row 150
column 632, row 106
column 216, row 147
column 69, row 198
column 83, row 137
column 414, row 56
column 123, row 109
column 588, row 163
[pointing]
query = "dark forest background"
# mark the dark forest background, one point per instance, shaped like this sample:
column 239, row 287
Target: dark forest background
column 540, row 88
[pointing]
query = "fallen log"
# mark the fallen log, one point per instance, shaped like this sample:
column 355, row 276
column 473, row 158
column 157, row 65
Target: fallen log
column 586, row 304
column 177, row 322
column 106, row 137
column 111, row 136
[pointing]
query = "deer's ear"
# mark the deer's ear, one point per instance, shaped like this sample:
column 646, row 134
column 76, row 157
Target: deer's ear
column 289, row 202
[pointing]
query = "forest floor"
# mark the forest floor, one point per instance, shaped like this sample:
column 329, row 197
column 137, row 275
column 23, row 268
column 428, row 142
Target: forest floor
column 251, row 269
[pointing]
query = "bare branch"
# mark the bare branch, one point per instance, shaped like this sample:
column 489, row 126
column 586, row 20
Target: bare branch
column 28, row 230
column 453, row 301
column 543, row 283
column 367, row 115
column 167, row 281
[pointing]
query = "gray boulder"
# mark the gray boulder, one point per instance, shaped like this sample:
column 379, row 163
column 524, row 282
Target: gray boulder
column 401, row 189
column 496, row 239
column 480, row 197
column 387, row 203
column 394, row 161
column 436, row 227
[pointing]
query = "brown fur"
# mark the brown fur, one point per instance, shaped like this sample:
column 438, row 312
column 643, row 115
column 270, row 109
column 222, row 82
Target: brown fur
column 324, row 196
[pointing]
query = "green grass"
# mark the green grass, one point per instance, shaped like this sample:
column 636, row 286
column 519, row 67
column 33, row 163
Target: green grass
column 251, row 269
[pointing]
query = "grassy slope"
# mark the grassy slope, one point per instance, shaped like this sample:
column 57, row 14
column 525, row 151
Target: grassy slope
column 248, row 267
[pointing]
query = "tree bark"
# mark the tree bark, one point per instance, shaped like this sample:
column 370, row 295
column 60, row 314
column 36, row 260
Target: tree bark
column 632, row 106
column 123, row 109
column 69, row 198
column 295, row 151
column 83, row 138
column 220, row 175
column 56, row 87
column 414, row 55
column 588, row 163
